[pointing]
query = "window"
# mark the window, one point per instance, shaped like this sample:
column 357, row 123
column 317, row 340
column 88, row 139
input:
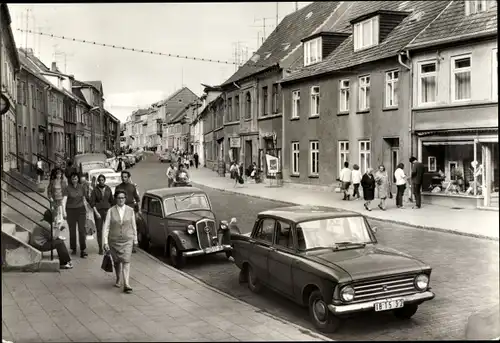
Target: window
column 314, row 159
column 427, row 83
column 33, row 96
column 364, row 155
column 364, row 93
column 391, row 88
column 275, row 104
column 284, row 236
column 265, row 101
column 229, row 110
column 431, row 164
column 248, row 106
column 366, row 34
column 237, row 107
column 295, row 158
column 265, row 231
column 475, row 6
column 314, row 101
column 343, row 154
column 494, row 74
column 295, row 104
column 19, row 92
column 344, row 96
column 312, row 51
column 461, row 83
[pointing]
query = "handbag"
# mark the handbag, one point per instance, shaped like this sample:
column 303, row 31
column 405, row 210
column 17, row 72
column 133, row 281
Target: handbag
column 107, row 263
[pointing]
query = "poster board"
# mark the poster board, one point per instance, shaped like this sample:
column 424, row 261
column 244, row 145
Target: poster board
column 272, row 163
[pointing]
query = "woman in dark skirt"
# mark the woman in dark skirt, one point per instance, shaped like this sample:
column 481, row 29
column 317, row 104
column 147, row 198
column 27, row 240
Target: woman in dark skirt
column 368, row 184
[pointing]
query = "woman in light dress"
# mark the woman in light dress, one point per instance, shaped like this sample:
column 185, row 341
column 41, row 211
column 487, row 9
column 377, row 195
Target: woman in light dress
column 382, row 181
column 119, row 237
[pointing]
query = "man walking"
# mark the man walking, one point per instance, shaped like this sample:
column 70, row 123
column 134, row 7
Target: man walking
column 196, row 160
column 345, row 178
column 130, row 190
column 417, row 176
column 171, row 171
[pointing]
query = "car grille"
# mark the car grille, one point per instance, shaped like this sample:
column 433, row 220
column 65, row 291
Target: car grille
column 206, row 240
column 384, row 288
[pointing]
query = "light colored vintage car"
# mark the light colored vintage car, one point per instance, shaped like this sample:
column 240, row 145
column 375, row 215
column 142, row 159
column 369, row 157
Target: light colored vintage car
column 87, row 162
column 113, row 178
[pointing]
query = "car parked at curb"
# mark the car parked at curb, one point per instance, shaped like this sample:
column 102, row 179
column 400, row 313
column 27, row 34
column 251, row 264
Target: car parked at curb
column 182, row 221
column 330, row 261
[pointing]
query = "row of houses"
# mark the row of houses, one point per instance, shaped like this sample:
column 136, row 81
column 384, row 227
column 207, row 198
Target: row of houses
column 51, row 114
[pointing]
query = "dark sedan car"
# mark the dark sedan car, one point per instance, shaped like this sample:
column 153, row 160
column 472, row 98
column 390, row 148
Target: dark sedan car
column 181, row 221
column 330, row 261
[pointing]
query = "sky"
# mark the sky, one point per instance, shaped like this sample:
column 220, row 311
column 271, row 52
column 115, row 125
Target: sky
column 133, row 80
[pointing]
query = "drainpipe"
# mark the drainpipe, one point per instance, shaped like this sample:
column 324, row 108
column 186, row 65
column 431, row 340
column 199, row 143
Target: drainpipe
column 410, row 98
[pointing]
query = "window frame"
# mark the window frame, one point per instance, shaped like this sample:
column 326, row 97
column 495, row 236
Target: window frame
column 229, row 104
column 366, row 86
column 276, row 240
column 344, row 92
column 454, row 72
column 265, row 100
column 314, row 101
column 494, row 74
column 295, row 150
column 394, row 81
column 312, row 151
column 248, row 105
column 341, row 152
column 473, row 4
column 427, row 74
column 363, row 166
column 237, row 107
column 275, row 99
column 259, row 228
column 374, row 35
column 308, row 51
column 295, row 104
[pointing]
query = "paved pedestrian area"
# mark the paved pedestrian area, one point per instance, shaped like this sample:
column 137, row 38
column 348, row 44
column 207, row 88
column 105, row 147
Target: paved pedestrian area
column 475, row 223
column 167, row 305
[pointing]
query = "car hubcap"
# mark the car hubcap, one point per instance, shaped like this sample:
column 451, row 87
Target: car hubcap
column 320, row 310
column 173, row 251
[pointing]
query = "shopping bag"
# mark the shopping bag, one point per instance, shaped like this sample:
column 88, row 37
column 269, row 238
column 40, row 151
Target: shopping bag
column 240, row 180
column 107, row 263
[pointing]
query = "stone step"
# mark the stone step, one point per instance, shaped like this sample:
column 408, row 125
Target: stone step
column 22, row 235
column 9, row 228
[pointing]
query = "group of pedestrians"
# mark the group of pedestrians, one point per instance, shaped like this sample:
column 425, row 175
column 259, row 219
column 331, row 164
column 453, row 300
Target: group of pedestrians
column 379, row 182
column 177, row 174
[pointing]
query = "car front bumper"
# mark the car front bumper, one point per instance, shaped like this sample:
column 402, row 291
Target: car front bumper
column 370, row 305
column 203, row 252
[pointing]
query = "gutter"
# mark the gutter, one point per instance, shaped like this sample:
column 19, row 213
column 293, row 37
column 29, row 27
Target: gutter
column 410, row 97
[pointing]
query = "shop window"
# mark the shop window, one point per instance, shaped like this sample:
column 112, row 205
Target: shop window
column 295, row 104
column 461, row 74
column 344, row 96
column 427, row 89
column 364, row 93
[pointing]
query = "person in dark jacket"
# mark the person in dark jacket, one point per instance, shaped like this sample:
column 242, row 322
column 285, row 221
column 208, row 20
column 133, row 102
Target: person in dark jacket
column 417, row 177
column 368, row 185
column 130, row 189
column 196, row 160
column 101, row 201
column 70, row 169
column 42, row 240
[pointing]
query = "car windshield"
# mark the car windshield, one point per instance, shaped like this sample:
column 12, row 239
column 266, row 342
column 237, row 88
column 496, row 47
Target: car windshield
column 187, row 202
column 93, row 165
column 329, row 233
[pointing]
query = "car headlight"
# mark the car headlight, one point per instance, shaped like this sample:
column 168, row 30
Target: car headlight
column 347, row 293
column 421, row 282
column 191, row 229
column 223, row 225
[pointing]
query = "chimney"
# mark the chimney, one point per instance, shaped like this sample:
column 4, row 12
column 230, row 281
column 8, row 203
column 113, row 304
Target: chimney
column 54, row 67
column 30, row 51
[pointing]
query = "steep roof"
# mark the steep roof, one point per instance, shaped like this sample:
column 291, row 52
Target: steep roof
column 7, row 20
column 344, row 56
column 286, row 38
column 177, row 101
column 178, row 116
column 96, row 84
column 453, row 25
column 29, row 65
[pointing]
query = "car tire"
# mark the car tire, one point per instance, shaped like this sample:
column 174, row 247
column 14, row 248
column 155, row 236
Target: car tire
column 175, row 255
column 229, row 254
column 322, row 318
column 406, row 312
column 143, row 241
column 253, row 282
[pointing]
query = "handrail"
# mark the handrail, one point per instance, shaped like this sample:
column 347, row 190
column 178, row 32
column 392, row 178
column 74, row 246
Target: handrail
column 24, row 184
column 36, row 223
column 8, row 183
column 15, row 197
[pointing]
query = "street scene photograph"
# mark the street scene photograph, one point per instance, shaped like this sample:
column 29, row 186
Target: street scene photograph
column 250, row 171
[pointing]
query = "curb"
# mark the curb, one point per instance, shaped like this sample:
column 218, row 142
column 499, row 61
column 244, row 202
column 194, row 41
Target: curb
column 258, row 310
column 423, row 227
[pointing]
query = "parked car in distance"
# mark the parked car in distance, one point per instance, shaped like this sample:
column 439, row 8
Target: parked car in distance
column 165, row 157
column 87, row 162
column 131, row 159
column 182, row 221
column 330, row 261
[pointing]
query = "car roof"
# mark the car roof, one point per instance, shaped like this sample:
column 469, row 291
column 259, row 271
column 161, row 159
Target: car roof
column 173, row 191
column 299, row 214
column 83, row 158
column 102, row 170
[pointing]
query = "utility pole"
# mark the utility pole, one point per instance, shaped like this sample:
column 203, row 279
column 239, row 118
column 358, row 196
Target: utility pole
column 296, row 6
column 277, row 9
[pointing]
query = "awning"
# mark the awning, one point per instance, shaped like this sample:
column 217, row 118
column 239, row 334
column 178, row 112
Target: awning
column 459, row 131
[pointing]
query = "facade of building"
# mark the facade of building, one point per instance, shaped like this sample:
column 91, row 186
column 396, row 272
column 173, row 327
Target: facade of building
column 350, row 102
column 112, row 130
column 154, row 127
column 10, row 66
column 455, row 105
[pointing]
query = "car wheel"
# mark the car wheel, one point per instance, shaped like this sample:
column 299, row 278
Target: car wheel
column 406, row 312
column 229, row 254
column 143, row 241
column 176, row 258
column 253, row 282
column 320, row 315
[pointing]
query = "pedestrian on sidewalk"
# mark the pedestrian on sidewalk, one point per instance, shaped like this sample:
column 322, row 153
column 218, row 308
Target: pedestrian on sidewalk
column 101, row 201
column 417, row 176
column 120, row 165
column 196, row 160
column 55, row 190
column 235, row 173
column 345, row 178
column 382, row 181
column 120, row 237
column 171, row 174
column 69, row 170
column 39, row 170
column 399, row 175
column 130, row 190
column 42, row 240
column 356, row 181
column 368, row 184
column 74, row 197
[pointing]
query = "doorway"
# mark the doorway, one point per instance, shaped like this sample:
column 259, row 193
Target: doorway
column 248, row 153
column 394, row 162
column 391, row 158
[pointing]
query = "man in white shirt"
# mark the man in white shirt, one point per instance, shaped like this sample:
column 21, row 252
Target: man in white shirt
column 39, row 170
column 171, row 171
column 399, row 175
column 345, row 178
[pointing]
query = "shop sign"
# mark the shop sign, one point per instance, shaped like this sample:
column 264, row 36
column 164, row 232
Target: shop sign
column 234, row 142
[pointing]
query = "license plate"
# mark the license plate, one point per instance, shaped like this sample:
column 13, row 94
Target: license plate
column 389, row 304
column 213, row 249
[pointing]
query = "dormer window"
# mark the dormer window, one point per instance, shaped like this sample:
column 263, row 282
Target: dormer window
column 312, row 51
column 366, row 33
column 475, row 6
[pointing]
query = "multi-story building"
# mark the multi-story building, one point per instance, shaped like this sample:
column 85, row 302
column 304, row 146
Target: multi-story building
column 93, row 93
column 112, row 132
column 10, row 66
column 455, row 105
column 154, row 127
column 350, row 102
column 251, row 99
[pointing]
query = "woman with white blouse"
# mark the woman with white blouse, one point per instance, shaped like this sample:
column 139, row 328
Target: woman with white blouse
column 399, row 175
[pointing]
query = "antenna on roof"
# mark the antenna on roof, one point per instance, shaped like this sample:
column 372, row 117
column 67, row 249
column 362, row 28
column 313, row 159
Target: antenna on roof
column 277, row 9
column 296, row 6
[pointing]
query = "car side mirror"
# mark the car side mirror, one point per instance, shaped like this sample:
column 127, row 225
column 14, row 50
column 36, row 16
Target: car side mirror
column 375, row 229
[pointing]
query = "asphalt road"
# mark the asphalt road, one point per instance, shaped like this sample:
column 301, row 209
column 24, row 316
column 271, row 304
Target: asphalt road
column 464, row 277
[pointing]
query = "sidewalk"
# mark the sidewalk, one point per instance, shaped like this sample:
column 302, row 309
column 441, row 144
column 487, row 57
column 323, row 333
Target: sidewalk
column 166, row 305
column 475, row 223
